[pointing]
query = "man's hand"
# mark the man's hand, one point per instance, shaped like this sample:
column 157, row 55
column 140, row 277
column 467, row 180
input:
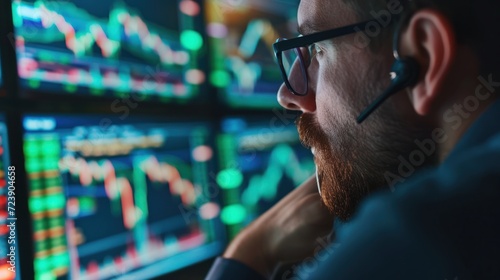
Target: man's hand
column 285, row 233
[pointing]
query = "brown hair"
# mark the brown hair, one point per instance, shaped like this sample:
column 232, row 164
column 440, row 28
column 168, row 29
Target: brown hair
column 476, row 23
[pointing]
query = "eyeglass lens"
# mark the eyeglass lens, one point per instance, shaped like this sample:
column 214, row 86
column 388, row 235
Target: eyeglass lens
column 295, row 62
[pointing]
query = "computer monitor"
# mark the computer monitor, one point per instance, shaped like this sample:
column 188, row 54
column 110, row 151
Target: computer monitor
column 120, row 199
column 9, row 253
column 241, row 35
column 261, row 161
column 149, row 48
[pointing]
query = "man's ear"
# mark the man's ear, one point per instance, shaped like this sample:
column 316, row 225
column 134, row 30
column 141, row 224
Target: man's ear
column 430, row 39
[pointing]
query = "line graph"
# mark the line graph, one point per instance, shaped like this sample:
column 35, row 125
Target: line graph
column 123, row 29
column 253, row 64
column 135, row 204
column 259, row 167
column 104, row 214
column 256, row 31
column 120, row 188
column 71, row 44
column 243, row 39
column 283, row 162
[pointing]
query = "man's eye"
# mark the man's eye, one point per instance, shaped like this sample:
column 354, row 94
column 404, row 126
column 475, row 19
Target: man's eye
column 315, row 50
column 318, row 49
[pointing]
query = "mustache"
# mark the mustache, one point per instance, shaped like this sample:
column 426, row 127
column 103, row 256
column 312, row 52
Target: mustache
column 307, row 126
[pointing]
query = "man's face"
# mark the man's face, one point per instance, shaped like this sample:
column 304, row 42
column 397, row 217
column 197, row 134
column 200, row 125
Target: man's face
column 344, row 78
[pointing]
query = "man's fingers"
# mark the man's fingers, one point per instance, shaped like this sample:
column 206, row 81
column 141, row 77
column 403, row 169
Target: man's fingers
column 308, row 187
column 317, row 211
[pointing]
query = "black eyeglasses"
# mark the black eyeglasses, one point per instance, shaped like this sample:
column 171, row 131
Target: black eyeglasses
column 295, row 55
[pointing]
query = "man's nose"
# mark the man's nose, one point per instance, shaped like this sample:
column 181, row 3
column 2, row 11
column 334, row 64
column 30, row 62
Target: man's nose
column 290, row 101
column 303, row 79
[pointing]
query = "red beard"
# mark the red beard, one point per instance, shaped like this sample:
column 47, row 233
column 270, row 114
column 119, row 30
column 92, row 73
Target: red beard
column 341, row 180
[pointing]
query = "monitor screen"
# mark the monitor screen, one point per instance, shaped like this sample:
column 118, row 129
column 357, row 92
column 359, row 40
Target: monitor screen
column 149, row 48
column 242, row 34
column 120, row 200
column 9, row 254
column 261, row 162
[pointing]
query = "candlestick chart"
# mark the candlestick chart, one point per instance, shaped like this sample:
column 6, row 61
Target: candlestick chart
column 260, row 165
column 242, row 36
column 110, row 204
column 112, row 48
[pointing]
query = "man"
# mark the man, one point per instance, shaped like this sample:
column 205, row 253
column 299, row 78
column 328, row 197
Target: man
column 442, row 222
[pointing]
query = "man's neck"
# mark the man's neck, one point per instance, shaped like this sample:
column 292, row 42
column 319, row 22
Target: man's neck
column 459, row 115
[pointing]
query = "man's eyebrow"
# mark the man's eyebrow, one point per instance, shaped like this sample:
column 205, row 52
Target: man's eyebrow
column 308, row 27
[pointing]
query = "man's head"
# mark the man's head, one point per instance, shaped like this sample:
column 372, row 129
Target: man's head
column 346, row 74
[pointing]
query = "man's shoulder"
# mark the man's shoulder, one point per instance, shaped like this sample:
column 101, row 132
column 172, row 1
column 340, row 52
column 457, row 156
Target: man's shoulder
column 450, row 213
column 467, row 176
column 465, row 187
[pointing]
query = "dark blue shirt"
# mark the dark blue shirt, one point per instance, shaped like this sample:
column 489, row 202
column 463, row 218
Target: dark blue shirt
column 443, row 223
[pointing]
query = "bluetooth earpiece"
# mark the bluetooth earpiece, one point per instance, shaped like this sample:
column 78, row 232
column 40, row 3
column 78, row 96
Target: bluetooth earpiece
column 404, row 73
